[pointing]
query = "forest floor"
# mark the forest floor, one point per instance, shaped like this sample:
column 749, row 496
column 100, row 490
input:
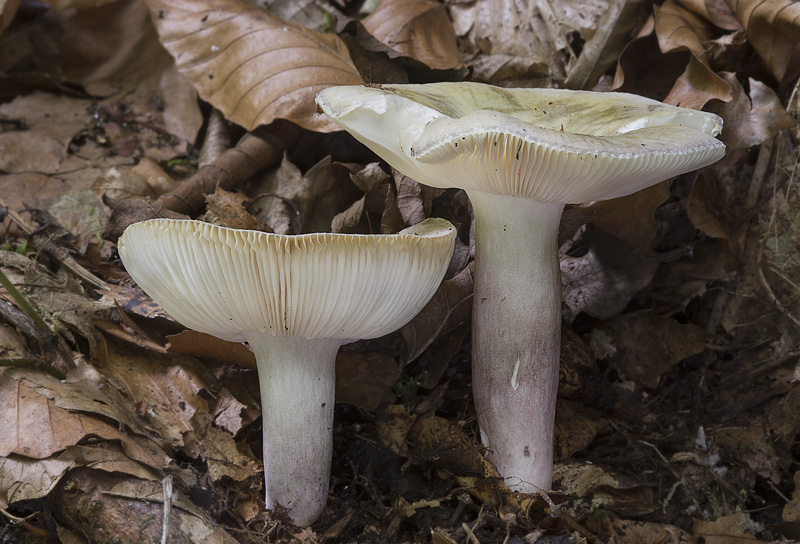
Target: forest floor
column 677, row 418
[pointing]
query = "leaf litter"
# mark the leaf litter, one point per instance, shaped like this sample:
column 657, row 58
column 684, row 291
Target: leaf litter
column 678, row 392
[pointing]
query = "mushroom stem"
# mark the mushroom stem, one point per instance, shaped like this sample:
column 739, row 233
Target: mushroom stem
column 296, row 378
column 516, row 331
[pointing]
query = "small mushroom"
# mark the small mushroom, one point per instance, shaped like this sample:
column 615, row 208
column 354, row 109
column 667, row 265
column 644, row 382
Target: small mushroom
column 295, row 300
column 521, row 155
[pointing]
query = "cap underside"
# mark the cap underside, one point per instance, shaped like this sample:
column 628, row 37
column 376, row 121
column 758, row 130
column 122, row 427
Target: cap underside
column 225, row 281
column 550, row 145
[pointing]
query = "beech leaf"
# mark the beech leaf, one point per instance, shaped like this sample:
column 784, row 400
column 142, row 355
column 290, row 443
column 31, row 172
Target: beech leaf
column 450, row 306
column 249, row 64
column 750, row 120
column 419, row 29
column 773, row 29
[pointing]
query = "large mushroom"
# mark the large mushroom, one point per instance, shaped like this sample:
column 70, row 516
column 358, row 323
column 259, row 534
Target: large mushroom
column 521, row 155
column 295, row 300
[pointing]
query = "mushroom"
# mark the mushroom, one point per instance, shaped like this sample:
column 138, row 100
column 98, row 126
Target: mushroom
column 521, row 155
column 295, row 300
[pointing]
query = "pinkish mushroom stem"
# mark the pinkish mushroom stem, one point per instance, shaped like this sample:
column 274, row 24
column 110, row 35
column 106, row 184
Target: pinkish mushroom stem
column 516, row 331
column 296, row 378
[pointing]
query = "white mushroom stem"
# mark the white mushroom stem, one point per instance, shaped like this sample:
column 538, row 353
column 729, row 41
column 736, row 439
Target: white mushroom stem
column 516, row 331
column 296, row 378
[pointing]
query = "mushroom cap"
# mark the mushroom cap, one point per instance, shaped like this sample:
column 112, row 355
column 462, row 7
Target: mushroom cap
column 228, row 282
column 550, row 145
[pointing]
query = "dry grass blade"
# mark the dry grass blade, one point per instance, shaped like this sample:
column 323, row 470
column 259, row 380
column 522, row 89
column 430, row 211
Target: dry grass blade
column 419, row 29
column 250, row 65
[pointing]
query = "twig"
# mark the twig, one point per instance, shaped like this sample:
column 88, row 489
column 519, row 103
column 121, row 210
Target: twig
column 166, row 485
column 35, row 364
column 66, row 260
column 675, row 475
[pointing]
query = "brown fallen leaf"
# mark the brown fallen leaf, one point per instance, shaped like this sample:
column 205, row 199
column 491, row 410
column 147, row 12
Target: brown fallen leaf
column 253, row 153
column 642, row 68
column 419, row 29
column 365, row 379
column 251, row 65
column 119, row 503
column 773, row 29
column 290, row 202
column 596, row 487
column 204, row 345
column 446, row 446
column 736, row 528
column 631, row 218
column 625, row 531
column 450, row 306
column 717, row 12
column 750, row 120
column 648, row 346
column 8, row 10
column 221, row 453
column 677, row 29
column 603, row 281
column 229, row 210
column 601, row 51
column 575, row 428
column 35, row 426
column 518, row 42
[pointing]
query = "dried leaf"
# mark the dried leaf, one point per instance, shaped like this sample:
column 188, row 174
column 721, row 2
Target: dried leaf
column 251, row 65
column 625, row 531
column 220, row 452
column 450, row 306
column 419, row 29
column 8, row 9
column 603, row 280
column 750, row 444
column 575, row 428
column 35, row 426
column 62, row 5
column 632, row 218
column 601, row 488
column 51, row 122
column 649, row 346
column 716, row 12
column 644, row 69
column 409, row 199
column 518, row 41
column 751, row 120
column 22, row 478
column 737, row 528
column 204, row 345
column 365, row 379
column 165, row 387
column 697, row 85
column 312, row 14
column 112, row 498
column 290, row 202
column 773, row 29
column 228, row 209
column 679, row 29
column 604, row 47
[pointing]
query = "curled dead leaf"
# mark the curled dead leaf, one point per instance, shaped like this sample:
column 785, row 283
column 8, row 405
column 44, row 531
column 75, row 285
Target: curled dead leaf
column 251, row 65
column 419, row 29
column 773, row 29
column 751, row 120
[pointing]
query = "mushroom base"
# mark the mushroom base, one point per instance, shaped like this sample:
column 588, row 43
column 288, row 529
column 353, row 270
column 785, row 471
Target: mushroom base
column 516, row 331
column 296, row 378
